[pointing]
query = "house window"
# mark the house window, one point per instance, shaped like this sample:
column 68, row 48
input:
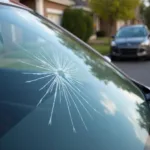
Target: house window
column 55, row 18
column 55, row 15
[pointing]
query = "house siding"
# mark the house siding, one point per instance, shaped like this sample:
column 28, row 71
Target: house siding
column 81, row 3
column 49, row 9
column 52, row 5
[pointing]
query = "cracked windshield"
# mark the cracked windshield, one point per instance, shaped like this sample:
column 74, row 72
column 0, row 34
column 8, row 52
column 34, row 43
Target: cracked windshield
column 56, row 92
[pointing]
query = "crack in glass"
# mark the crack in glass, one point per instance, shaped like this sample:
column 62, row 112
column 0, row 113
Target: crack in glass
column 61, row 73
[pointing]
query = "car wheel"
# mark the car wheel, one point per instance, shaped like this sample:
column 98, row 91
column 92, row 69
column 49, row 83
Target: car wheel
column 146, row 58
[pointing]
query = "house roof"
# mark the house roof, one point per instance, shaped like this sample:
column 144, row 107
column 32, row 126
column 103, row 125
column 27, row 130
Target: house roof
column 83, row 8
column 14, row 3
column 64, row 2
column 83, row 3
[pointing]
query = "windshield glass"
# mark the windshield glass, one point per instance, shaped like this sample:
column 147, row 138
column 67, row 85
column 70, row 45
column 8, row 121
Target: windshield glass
column 56, row 94
column 131, row 32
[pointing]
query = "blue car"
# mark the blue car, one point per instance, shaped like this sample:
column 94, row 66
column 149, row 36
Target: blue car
column 131, row 42
column 57, row 93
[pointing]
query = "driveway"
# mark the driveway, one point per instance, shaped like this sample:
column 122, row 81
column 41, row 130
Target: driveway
column 139, row 70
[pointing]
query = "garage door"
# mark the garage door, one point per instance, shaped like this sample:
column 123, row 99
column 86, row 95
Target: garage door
column 55, row 18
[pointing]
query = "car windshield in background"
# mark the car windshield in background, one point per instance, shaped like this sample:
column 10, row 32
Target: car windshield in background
column 130, row 32
column 57, row 94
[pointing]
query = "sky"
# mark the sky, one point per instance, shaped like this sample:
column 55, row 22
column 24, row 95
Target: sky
column 146, row 2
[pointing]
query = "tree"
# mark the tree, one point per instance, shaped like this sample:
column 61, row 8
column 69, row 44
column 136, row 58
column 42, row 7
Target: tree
column 112, row 10
column 142, row 9
column 144, row 111
column 78, row 22
column 99, row 68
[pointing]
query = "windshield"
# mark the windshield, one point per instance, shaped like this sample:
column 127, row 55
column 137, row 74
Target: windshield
column 131, row 32
column 56, row 94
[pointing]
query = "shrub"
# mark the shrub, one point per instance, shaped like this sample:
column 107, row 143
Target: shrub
column 101, row 34
column 89, row 27
column 78, row 22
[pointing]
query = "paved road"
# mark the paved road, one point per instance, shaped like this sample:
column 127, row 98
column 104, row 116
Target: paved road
column 139, row 70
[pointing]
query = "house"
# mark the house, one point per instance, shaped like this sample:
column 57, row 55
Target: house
column 51, row 9
column 82, row 4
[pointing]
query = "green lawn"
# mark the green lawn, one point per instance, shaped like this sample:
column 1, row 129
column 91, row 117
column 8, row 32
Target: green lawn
column 104, row 39
column 103, row 49
column 102, row 45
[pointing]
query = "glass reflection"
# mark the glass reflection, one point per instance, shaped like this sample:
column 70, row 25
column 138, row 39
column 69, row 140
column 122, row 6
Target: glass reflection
column 54, row 77
column 110, row 106
column 144, row 121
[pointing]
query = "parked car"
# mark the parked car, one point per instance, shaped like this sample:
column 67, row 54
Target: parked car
column 57, row 93
column 131, row 42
